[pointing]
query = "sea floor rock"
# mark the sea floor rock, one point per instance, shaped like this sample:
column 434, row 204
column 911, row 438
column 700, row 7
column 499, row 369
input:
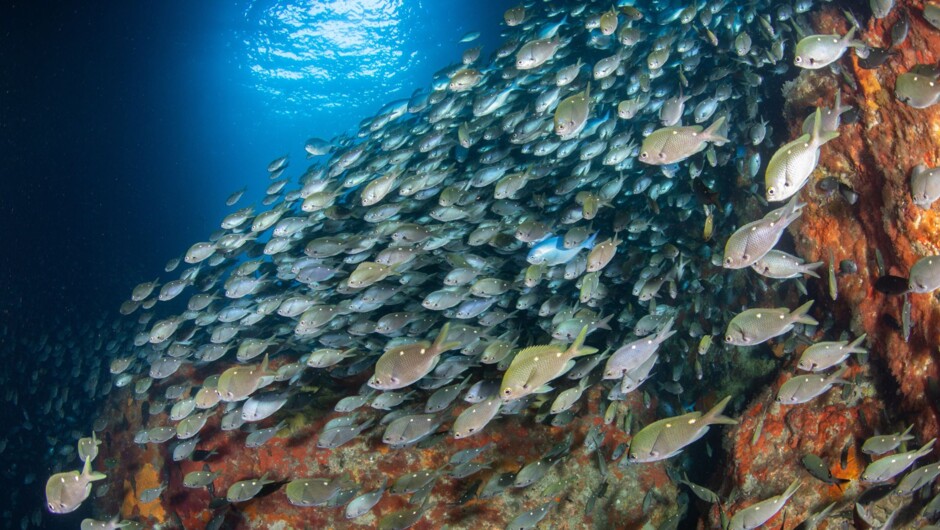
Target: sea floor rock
column 873, row 158
column 633, row 496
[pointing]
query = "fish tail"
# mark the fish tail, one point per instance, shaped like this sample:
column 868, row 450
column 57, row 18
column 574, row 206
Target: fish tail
column 810, row 268
column 791, row 489
column 850, row 35
column 927, row 448
column 800, row 314
column 579, row 341
column 711, row 133
column 667, row 330
column 603, row 323
column 588, row 243
column 88, row 473
column 714, row 416
column 790, row 216
column 854, row 345
column 907, row 432
column 836, row 376
column 442, row 336
column 794, row 205
column 264, row 364
column 818, row 136
column 439, row 345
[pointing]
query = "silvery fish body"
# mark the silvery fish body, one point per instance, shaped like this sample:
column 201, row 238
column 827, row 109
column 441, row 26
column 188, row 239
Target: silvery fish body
column 754, row 326
column 890, row 466
column 759, row 513
column 803, row 388
column 925, row 185
column 925, row 275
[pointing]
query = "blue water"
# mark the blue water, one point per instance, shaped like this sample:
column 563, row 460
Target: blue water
column 124, row 127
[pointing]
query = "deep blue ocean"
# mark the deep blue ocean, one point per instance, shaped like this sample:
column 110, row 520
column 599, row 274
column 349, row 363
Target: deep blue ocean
column 125, row 125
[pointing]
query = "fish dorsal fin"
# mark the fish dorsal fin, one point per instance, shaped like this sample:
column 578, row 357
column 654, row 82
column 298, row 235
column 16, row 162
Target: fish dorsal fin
column 538, row 350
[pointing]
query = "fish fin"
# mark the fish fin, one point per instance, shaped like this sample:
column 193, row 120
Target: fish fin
column 603, row 323
column 398, row 268
column 907, row 432
column 926, row 448
column 588, row 243
column 544, row 389
column 586, row 350
column 810, row 268
column 827, row 136
column 819, row 137
column 800, row 314
column 91, row 474
column 437, row 359
column 439, row 345
column 850, row 35
column 667, row 330
column 714, row 416
column 711, row 133
column 836, row 377
column 567, row 368
column 578, row 342
column 854, row 345
column 791, row 489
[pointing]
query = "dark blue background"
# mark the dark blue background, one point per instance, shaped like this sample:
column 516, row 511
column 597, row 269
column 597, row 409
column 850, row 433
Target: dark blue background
column 124, row 125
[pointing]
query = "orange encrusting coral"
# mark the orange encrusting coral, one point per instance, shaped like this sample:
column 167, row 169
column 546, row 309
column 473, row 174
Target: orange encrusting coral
column 146, row 477
column 875, row 157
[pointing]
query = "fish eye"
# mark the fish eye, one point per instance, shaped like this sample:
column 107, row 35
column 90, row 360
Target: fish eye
column 728, row 338
column 798, row 59
column 771, row 191
column 644, row 155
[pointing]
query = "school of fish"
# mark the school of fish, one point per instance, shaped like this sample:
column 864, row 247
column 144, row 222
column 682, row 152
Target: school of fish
column 557, row 223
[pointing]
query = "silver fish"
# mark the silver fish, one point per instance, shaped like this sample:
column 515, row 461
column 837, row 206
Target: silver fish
column 891, row 466
column 803, row 388
column 755, row 326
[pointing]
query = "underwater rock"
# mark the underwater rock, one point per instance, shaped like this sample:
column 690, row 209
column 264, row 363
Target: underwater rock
column 874, row 157
column 575, row 481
